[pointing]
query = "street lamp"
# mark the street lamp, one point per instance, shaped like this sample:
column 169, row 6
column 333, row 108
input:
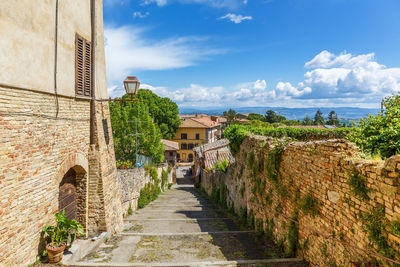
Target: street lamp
column 131, row 85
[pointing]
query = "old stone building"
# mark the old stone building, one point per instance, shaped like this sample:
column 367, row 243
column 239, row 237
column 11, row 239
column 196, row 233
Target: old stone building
column 56, row 147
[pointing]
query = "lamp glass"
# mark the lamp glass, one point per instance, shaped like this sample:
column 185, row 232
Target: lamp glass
column 131, row 85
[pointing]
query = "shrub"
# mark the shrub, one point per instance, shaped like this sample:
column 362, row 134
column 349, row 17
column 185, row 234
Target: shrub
column 381, row 133
column 222, row 165
column 149, row 193
column 164, row 178
column 235, row 134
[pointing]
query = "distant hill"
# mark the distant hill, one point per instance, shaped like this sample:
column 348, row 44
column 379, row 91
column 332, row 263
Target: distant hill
column 289, row 113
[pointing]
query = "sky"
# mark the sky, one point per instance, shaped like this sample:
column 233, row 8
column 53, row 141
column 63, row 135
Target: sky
column 256, row 53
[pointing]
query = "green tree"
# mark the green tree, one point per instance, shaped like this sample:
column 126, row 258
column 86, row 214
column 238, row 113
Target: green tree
column 307, row 121
column 149, row 140
column 230, row 115
column 318, row 119
column 255, row 116
column 163, row 110
column 381, row 134
column 333, row 119
column 272, row 117
column 292, row 122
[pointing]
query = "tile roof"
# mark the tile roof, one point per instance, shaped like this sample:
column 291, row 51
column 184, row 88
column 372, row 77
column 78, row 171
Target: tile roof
column 207, row 121
column 211, row 146
column 191, row 123
column 170, row 145
column 214, row 156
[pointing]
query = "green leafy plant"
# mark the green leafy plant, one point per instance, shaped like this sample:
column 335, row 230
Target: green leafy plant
column 130, row 211
column 293, row 235
column 164, row 178
column 395, row 225
column 381, row 133
column 358, row 185
column 124, row 164
column 375, row 224
column 148, row 194
column 309, row 204
column 222, row 165
column 64, row 231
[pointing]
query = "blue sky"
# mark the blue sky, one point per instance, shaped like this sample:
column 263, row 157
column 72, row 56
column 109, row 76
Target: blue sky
column 231, row 53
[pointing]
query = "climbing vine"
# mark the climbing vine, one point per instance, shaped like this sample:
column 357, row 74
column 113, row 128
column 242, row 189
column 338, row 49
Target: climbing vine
column 309, row 204
column 358, row 185
column 293, row 235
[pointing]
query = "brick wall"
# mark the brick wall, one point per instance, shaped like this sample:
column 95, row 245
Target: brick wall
column 38, row 146
column 320, row 169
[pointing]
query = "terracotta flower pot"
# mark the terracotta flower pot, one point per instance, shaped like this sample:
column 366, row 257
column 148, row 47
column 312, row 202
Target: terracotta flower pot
column 55, row 254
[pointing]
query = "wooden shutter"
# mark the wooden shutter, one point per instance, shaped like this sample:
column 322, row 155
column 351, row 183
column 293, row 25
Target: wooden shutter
column 83, row 71
column 88, row 69
column 79, row 70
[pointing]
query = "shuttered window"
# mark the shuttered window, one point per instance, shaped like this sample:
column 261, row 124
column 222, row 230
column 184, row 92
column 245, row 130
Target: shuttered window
column 83, row 74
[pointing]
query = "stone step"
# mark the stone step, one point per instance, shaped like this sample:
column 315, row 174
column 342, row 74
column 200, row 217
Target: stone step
column 184, row 233
column 177, row 214
column 188, row 248
column 178, row 226
column 185, row 220
column 288, row 262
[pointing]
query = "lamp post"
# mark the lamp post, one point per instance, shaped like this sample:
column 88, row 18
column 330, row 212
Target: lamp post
column 131, row 85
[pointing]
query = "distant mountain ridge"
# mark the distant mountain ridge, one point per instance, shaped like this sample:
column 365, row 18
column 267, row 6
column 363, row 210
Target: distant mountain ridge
column 289, row 113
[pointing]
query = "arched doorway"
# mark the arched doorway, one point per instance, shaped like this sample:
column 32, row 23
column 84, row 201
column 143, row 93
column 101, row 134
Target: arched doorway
column 72, row 195
column 67, row 195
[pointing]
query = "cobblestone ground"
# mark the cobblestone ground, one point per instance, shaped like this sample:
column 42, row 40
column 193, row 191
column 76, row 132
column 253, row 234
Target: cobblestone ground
column 182, row 228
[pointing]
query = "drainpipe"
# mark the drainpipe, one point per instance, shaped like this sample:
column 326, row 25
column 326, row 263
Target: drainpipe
column 93, row 70
column 55, row 59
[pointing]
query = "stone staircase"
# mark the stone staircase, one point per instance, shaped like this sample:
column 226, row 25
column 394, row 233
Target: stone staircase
column 182, row 228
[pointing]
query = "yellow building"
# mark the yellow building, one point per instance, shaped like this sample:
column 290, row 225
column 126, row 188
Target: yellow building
column 195, row 132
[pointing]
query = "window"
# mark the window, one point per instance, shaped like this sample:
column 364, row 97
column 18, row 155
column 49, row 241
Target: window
column 178, row 156
column 197, row 136
column 105, row 129
column 190, row 146
column 171, row 154
column 190, row 157
column 183, row 146
column 183, row 136
column 83, row 68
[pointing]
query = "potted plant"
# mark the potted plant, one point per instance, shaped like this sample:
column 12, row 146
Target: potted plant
column 60, row 236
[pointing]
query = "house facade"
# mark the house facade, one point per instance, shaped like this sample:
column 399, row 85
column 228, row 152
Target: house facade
column 170, row 151
column 195, row 132
column 56, row 147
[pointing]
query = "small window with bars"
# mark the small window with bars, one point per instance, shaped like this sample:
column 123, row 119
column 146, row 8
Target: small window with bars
column 83, row 69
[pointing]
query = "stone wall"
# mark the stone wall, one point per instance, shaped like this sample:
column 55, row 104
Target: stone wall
column 38, row 146
column 133, row 180
column 314, row 172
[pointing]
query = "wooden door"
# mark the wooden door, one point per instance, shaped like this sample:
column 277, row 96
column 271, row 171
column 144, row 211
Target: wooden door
column 66, row 197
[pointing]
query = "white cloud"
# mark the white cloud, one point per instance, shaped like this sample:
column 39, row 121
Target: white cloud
column 158, row 2
column 236, row 18
column 128, row 50
column 332, row 81
column 231, row 4
column 245, row 2
column 346, row 76
column 140, row 15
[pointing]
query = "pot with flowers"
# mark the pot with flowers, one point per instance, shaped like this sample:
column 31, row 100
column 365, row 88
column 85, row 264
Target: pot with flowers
column 61, row 236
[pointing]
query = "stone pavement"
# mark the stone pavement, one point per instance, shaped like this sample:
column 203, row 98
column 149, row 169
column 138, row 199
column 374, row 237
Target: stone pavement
column 182, row 228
